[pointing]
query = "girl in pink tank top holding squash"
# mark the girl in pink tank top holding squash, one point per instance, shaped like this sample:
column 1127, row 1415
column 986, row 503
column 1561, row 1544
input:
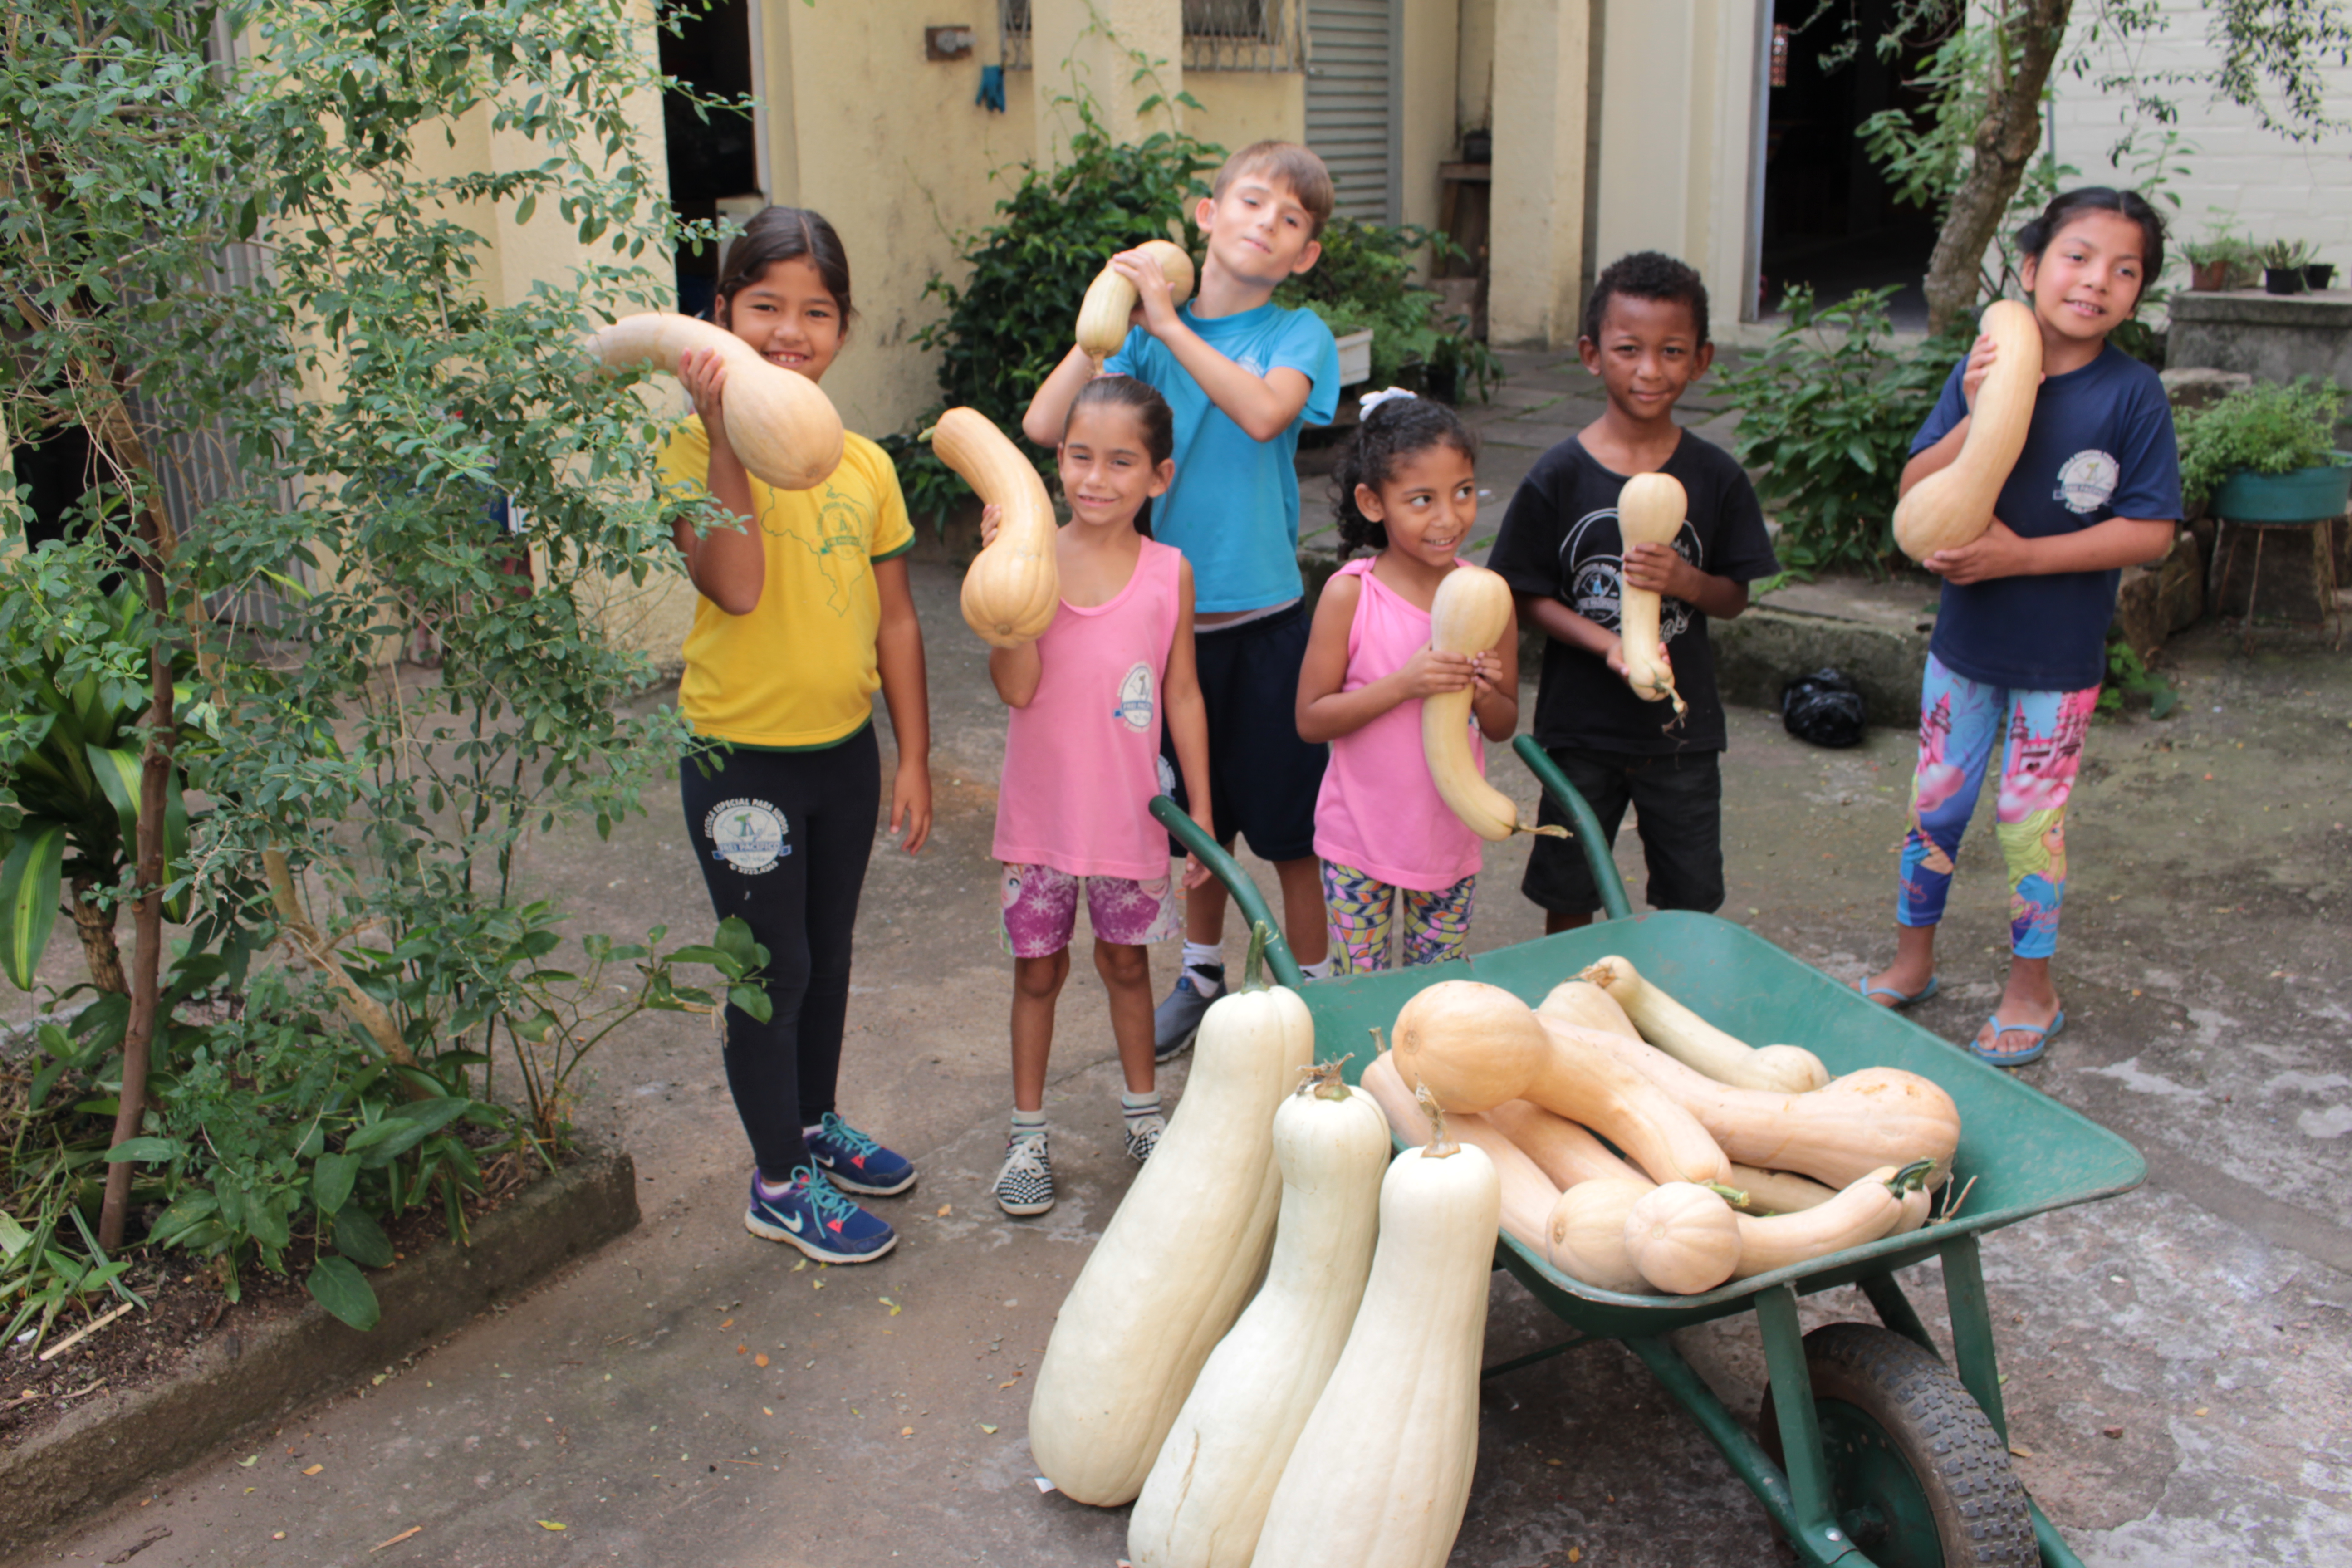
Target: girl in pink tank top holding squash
column 1082, row 764
column 1389, row 843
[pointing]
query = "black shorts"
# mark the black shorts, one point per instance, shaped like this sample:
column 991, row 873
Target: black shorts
column 1679, row 800
column 1263, row 779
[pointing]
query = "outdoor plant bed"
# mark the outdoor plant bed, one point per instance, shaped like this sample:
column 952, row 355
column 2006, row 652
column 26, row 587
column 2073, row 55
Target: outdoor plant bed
column 197, row 1376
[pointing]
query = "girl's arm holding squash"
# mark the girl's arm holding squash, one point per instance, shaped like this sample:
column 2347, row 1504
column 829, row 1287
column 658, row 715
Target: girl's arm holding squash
column 1324, row 713
column 1188, row 721
column 728, row 566
column 899, row 655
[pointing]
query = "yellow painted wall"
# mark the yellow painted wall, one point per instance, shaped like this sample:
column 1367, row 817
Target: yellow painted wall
column 1431, row 35
column 1238, row 107
column 1538, row 242
column 1474, row 79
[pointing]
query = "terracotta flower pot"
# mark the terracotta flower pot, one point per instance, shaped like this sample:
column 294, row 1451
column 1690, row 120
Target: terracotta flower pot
column 2209, row 276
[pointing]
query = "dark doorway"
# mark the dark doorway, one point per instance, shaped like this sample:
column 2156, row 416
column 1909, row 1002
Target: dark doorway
column 1830, row 222
column 713, row 157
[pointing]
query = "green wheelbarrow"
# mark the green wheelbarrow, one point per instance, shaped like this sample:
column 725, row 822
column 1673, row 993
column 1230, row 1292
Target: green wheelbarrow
column 1870, row 1450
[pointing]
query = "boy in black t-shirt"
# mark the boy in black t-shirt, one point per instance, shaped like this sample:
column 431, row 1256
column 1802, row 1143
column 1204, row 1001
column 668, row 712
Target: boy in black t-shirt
column 1645, row 336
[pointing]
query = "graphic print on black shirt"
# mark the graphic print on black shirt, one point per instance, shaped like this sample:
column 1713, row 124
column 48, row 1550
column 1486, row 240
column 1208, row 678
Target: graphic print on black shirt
column 1560, row 540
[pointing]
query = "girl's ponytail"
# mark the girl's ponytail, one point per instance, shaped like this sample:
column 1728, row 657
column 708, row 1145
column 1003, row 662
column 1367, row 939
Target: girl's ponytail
column 1396, row 424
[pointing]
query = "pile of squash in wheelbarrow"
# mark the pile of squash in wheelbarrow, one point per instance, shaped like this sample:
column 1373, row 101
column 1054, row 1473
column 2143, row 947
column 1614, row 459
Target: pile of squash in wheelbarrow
column 1335, row 1420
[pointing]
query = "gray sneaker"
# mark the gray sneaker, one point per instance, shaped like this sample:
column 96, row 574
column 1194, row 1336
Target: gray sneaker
column 1175, row 1021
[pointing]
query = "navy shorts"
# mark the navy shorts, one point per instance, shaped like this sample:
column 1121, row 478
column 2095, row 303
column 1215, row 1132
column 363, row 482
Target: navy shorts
column 1679, row 800
column 1263, row 779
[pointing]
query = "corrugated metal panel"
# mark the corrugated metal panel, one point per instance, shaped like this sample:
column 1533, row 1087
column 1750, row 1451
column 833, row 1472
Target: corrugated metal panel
column 1351, row 111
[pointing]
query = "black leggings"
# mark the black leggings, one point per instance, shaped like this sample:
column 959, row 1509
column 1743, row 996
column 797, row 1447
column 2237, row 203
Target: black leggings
column 784, row 838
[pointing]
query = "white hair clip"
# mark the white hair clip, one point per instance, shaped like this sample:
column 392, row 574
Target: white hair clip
column 1371, row 400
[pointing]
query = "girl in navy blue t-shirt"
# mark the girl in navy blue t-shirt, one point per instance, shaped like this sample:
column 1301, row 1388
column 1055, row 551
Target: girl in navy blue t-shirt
column 2020, row 645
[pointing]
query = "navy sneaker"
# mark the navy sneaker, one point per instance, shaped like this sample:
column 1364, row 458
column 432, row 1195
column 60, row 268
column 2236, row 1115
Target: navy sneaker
column 1175, row 1021
column 818, row 1220
column 856, row 1163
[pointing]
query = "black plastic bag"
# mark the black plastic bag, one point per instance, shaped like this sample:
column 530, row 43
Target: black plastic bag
column 1824, row 708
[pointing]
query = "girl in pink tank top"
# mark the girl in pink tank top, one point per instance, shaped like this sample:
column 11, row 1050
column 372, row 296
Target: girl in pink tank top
column 1406, row 489
column 1082, row 764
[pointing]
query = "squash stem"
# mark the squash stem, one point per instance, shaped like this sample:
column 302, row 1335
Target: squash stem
column 1254, row 967
column 927, row 433
column 1322, row 1079
column 1913, row 1174
column 1441, row 1144
column 1732, row 1196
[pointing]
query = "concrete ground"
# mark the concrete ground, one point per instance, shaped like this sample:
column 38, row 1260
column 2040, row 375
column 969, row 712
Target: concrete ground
column 693, row 1395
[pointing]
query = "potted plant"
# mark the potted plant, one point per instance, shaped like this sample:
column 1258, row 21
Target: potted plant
column 2267, row 454
column 2210, row 261
column 2282, row 264
column 2318, row 274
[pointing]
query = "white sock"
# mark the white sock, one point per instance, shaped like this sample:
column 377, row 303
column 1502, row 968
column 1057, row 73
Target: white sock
column 1027, row 1123
column 1205, row 962
column 1136, row 1107
column 1320, row 971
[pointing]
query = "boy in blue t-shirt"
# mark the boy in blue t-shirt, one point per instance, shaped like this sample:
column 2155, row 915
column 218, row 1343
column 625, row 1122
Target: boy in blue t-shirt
column 1242, row 375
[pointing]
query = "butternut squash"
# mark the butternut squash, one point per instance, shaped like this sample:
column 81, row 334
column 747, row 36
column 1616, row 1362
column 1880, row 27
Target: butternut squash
column 780, row 422
column 1838, row 1133
column 1955, row 505
column 1178, row 1258
column 1475, row 1045
column 1866, row 1211
column 1470, row 613
column 1777, row 1192
column 1562, row 1151
column 1650, row 511
column 1207, row 1494
column 1587, row 1234
column 1587, row 1006
column 1380, row 1474
column 1683, row 1238
column 1528, row 1192
column 1011, row 589
column 1110, row 301
column 1696, row 1043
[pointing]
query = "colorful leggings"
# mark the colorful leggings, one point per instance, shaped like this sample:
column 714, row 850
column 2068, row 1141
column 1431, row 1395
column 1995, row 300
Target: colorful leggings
column 1362, row 909
column 1960, row 722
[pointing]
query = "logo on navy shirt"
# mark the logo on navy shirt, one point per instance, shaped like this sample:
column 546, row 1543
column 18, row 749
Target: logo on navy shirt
column 2086, row 481
column 1593, row 565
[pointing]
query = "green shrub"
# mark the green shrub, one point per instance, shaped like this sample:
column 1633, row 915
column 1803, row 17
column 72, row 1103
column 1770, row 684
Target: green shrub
column 2269, row 429
column 1364, row 278
column 1829, row 407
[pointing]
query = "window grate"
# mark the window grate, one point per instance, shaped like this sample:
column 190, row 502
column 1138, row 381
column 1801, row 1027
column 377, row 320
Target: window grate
column 1219, row 35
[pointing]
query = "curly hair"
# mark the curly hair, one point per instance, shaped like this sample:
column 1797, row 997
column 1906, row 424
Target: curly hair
column 1645, row 275
column 1395, row 429
column 2035, row 237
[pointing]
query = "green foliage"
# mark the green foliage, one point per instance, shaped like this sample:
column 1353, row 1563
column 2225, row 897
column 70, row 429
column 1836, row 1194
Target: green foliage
column 1829, row 407
column 1364, row 278
column 2268, row 428
column 2287, row 255
column 1009, row 322
column 2128, row 676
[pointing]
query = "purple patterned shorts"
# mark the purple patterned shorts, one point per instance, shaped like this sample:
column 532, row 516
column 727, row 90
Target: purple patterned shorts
column 1040, row 910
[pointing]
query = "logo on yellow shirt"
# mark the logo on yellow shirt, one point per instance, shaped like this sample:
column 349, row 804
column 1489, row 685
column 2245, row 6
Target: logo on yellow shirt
column 749, row 834
column 842, row 529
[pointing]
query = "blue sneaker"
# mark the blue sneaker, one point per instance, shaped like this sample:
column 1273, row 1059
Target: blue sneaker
column 818, row 1220
column 1175, row 1021
column 856, row 1163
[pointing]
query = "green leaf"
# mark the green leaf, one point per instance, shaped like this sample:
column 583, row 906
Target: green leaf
column 336, row 1284
column 30, row 881
column 146, row 1150
column 753, row 1000
column 14, row 1238
column 330, row 1181
column 359, row 1238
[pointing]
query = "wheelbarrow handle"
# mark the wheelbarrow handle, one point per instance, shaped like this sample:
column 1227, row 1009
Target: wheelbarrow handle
column 1588, row 835
column 1226, row 869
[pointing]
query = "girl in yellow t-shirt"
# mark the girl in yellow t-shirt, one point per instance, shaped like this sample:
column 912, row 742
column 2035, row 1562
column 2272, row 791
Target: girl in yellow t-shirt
column 803, row 613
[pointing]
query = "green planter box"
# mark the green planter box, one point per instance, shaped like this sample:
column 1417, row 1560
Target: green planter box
column 2306, row 495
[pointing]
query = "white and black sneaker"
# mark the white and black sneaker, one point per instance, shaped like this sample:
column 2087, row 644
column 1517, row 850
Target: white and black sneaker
column 1025, row 1184
column 1143, row 1134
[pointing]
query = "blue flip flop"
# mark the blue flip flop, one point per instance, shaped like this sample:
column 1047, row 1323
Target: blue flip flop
column 1901, row 1000
column 2019, row 1058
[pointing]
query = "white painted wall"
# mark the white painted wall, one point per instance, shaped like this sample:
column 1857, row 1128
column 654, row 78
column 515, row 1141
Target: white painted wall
column 2268, row 187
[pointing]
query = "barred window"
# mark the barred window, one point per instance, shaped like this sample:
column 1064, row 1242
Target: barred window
column 1219, row 35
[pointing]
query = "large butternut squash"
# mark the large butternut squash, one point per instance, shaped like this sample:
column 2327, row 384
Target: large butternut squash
column 1207, row 1494
column 1683, row 1238
column 1587, row 1234
column 1955, row 505
column 1866, row 1211
column 1110, row 301
column 1477, row 1046
column 1178, row 1257
column 1698, row 1044
column 1011, row 589
column 1838, row 1133
column 780, row 422
column 1650, row 511
column 1561, row 1150
column 1470, row 613
column 1587, row 1006
column 1527, row 1191
column 1381, row 1473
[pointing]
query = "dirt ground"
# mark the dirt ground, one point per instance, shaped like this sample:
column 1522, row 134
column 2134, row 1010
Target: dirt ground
column 692, row 1395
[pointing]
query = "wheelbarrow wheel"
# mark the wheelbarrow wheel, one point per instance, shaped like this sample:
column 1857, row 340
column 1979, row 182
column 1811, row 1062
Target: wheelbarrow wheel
column 1919, row 1476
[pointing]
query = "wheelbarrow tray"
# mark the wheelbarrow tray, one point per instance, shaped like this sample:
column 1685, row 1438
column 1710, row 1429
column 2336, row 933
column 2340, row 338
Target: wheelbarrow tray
column 2027, row 1152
